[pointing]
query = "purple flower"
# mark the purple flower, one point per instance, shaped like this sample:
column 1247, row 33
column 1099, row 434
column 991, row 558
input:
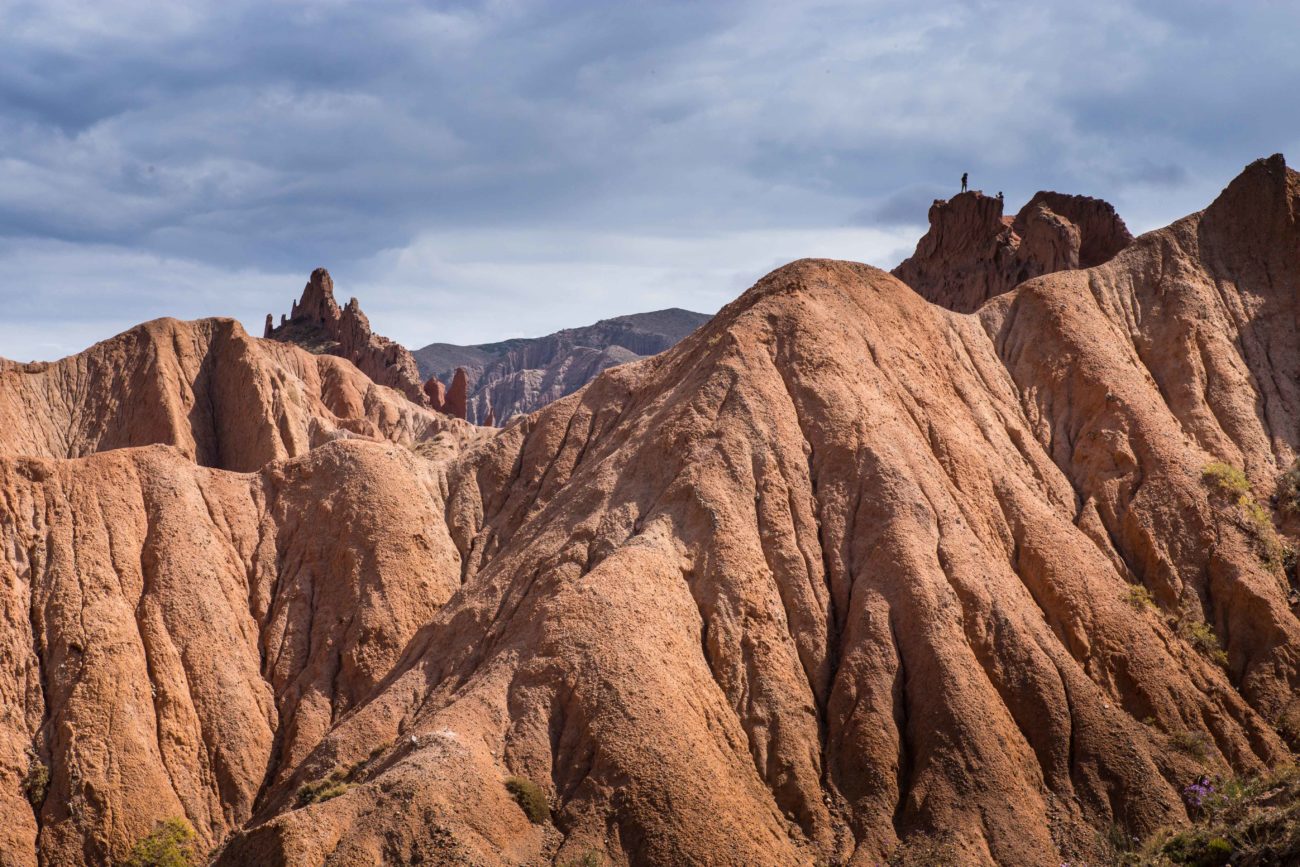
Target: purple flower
column 1196, row 794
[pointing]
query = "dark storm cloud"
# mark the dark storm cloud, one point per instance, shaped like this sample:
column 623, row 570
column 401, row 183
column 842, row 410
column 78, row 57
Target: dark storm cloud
column 524, row 162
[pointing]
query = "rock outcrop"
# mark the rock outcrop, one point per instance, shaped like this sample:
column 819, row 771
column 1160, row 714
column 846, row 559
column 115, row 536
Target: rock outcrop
column 317, row 323
column 516, row 377
column 436, row 393
column 972, row 253
column 224, row 399
column 842, row 572
column 457, row 395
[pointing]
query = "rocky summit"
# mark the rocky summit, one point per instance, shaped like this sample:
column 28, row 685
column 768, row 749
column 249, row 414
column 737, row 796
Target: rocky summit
column 981, row 562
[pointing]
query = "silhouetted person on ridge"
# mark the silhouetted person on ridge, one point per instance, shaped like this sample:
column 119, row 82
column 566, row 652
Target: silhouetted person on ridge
column 963, row 182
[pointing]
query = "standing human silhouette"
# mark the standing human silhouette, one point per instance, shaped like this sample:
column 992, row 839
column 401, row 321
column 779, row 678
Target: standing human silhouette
column 963, row 182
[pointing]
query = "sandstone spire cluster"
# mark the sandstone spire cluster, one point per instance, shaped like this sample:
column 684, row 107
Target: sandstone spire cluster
column 842, row 574
column 319, row 325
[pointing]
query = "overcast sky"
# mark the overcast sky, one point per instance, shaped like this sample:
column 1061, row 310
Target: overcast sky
column 476, row 171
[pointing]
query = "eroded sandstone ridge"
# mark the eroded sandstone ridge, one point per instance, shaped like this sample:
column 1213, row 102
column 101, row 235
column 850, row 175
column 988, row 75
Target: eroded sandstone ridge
column 319, row 325
column 841, row 569
column 972, row 253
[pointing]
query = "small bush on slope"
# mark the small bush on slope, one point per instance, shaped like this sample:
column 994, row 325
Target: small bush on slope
column 36, row 781
column 531, row 799
column 322, row 790
column 1232, row 483
column 1200, row 635
column 1288, row 490
column 1139, row 597
column 172, row 844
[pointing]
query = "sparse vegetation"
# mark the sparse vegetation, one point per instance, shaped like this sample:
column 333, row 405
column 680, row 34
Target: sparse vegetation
column 173, row 843
column 1194, row 744
column 36, row 781
column 590, row 858
column 1230, row 482
column 531, row 799
column 1139, row 597
column 1252, row 821
column 1288, row 490
column 324, row 789
column 1200, row 635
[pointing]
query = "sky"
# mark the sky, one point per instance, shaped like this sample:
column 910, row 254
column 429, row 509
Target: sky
column 477, row 171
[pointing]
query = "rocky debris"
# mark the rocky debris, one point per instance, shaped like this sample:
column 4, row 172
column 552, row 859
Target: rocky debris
column 973, row 253
column 840, row 571
column 516, row 377
column 319, row 325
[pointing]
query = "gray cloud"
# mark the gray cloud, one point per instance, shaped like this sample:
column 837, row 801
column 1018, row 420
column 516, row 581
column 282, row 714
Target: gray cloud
column 150, row 155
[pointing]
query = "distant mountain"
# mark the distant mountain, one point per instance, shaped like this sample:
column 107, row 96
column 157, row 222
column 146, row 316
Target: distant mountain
column 515, row 377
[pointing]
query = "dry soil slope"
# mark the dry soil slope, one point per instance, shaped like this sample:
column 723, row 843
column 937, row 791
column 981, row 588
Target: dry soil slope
column 844, row 567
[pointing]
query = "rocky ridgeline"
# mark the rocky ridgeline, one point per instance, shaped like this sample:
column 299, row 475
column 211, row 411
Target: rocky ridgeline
column 973, row 253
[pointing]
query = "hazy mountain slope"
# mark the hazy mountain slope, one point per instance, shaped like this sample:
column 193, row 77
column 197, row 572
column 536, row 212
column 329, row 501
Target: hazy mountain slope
column 840, row 569
column 515, row 377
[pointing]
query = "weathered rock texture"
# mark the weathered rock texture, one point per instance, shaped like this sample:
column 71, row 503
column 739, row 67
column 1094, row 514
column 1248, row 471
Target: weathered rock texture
column 840, row 569
column 319, row 325
column 223, row 398
column 972, row 253
column 516, row 377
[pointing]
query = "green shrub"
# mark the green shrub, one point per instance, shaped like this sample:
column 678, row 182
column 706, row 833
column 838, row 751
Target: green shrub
column 530, row 798
column 1231, row 482
column 323, row 790
column 1139, row 597
column 1201, row 636
column 36, row 782
column 172, row 844
column 1226, row 479
column 590, row 858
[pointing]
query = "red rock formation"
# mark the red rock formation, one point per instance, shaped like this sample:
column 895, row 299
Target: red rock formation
column 972, row 253
column 223, row 398
column 436, row 392
column 841, row 569
column 317, row 324
column 457, row 395
column 491, row 420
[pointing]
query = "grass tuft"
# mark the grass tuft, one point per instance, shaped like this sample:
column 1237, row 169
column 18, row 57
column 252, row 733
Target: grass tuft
column 531, row 799
column 318, row 791
column 173, row 843
column 1139, row 597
